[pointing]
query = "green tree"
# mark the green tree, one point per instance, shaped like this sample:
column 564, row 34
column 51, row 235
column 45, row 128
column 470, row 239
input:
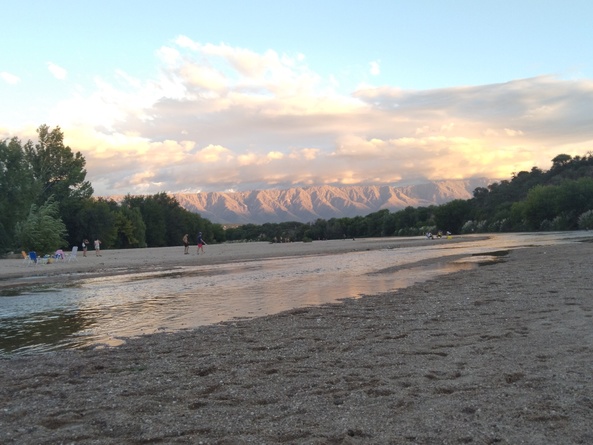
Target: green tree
column 100, row 222
column 452, row 215
column 561, row 161
column 154, row 217
column 166, row 221
column 539, row 206
column 376, row 222
column 57, row 171
column 405, row 219
column 575, row 197
column 131, row 230
column 218, row 233
column 43, row 231
column 16, row 190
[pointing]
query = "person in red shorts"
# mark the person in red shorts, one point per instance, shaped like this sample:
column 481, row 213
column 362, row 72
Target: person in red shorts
column 201, row 243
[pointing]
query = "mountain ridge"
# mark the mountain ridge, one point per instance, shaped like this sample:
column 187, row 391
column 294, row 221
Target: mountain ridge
column 306, row 204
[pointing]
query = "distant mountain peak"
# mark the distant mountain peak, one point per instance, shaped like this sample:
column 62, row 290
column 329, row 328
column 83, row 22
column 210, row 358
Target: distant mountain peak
column 306, row 204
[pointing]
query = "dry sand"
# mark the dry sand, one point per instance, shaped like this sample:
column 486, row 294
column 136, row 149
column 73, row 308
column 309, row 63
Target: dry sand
column 502, row 354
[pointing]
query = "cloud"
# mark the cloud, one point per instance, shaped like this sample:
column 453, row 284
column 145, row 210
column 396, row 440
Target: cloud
column 9, row 78
column 275, row 155
column 375, row 69
column 213, row 154
column 57, row 71
column 220, row 117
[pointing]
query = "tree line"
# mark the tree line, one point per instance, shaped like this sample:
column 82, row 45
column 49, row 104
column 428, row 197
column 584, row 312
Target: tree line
column 46, row 203
column 558, row 199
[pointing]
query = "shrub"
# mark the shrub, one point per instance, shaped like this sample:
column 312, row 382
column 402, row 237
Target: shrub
column 586, row 220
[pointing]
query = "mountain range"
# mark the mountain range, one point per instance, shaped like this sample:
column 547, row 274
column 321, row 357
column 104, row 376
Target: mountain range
column 306, row 204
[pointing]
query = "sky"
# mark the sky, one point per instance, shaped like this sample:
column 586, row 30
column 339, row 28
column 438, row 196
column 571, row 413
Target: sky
column 202, row 96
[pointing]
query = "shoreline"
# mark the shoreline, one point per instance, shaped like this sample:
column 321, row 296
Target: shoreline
column 14, row 274
column 498, row 354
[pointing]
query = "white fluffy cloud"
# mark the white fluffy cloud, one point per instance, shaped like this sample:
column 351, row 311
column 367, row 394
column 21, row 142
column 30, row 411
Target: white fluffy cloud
column 220, row 118
column 375, row 68
column 9, row 78
column 57, row 71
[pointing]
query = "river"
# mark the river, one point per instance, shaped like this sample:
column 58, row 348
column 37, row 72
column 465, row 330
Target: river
column 106, row 311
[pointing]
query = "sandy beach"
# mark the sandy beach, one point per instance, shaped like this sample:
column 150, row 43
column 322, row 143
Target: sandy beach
column 13, row 273
column 502, row 354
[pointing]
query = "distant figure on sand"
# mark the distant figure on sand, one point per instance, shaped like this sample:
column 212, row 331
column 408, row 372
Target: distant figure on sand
column 201, row 243
column 85, row 246
column 186, row 244
column 98, row 247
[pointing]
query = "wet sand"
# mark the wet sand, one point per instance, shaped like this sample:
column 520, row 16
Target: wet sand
column 501, row 354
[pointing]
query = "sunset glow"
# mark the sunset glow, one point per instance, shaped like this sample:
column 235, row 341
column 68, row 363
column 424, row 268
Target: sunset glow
column 190, row 96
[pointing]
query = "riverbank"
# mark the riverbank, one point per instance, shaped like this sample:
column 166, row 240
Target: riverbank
column 15, row 273
column 499, row 354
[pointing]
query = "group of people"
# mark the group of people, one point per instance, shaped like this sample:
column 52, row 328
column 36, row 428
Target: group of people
column 85, row 246
column 97, row 245
column 60, row 255
column 201, row 243
column 439, row 234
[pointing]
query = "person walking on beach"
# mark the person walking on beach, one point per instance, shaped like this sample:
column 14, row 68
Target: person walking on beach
column 186, row 244
column 201, row 243
column 98, row 247
column 85, row 246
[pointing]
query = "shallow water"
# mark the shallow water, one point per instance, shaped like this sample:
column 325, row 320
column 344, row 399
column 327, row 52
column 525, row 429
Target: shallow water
column 104, row 311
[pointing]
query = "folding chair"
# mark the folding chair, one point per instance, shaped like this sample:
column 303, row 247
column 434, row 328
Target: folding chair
column 72, row 256
column 26, row 258
column 32, row 259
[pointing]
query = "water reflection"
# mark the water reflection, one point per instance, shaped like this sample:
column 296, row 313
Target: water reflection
column 106, row 310
column 42, row 331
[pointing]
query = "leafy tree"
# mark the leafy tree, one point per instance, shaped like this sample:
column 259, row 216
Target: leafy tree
column 557, row 207
column 375, row 222
column 131, row 230
column 56, row 169
column 560, row 161
column 539, row 206
column 334, row 229
column 249, row 232
column 153, row 215
column 43, row 231
column 319, row 229
column 452, row 215
column 166, row 221
column 218, row 234
column 357, row 227
column 576, row 196
column 16, row 190
column 405, row 218
column 100, row 222
column 35, row 172
column 57, row 172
